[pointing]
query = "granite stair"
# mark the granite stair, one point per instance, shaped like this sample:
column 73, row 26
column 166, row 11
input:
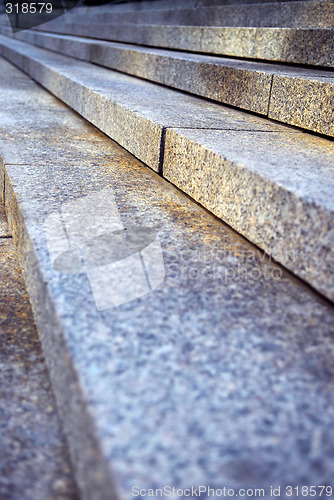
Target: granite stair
column 293, row 222
column 293, row 32
column 294, row 14
column 176, row 234
column 34, row 457
column 292, row 95
column 213, row 372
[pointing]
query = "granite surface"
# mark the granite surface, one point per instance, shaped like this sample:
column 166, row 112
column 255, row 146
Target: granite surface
column 310, row 14
column 34, row 461
column 305, row 102
column 298, row 96
column 197, row 381
column 4, row 229
column 308, row 46
column 222, row 375
column 276, row 190
column 131, row 111
column 241, row 84
column 168, row 4
column 205, row 186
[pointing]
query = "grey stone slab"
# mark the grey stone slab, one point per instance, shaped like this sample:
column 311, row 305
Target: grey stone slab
column 310, row 14
column 169, row 4
column 292, row 45
column 33, row 126
column 298, row 96
column 206, row 188
column 275, row 190
column 33, row 453
column 305, row 102
column 221, row 375
column 4, row 229
column 241, row 84
column 131, row 111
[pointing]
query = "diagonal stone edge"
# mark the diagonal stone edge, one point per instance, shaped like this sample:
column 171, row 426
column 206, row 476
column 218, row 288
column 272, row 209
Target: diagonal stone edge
column 301, row 255
column 92, row 472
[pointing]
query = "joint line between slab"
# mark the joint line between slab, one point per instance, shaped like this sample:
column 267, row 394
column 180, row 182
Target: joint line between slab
column 270, row 91
column 3, row 180
column 162, row 150
column 291, row 131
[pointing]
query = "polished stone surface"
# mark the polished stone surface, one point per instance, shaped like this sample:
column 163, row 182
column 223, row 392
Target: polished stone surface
column 221, row 375
column 291, row 45
column 33, row 454
column 275, row 189
column 131, row 111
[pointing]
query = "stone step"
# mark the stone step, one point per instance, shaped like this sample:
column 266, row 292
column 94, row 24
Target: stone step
column 309, row 14
column 177, row 4
column 307, row 46
column 138, row 5
column 272, row 183
column 33, row 451
column 297, row 96
column 221, row 375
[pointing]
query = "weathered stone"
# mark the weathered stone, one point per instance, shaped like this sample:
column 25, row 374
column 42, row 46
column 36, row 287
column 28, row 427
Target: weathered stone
column 299, row 96
column 310, row 14
column 208, row 368
column 262, row 234
column 305, row 102
column 275, row 189
column 242, row 84
column 172, row 4
column 131, row 111
column 33, row 453
column 4, row 229
column 292, row 45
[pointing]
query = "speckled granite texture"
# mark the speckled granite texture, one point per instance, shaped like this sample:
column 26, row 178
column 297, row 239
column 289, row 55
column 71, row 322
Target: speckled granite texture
column 292, row 45
column 133, row 112
column 239, row 84
column 305, row 102
column 276, row 190
column 310, row 14
column 34, row 462
column 205, row 185
column 296, row 96
column 222, row 375
column 4, row 229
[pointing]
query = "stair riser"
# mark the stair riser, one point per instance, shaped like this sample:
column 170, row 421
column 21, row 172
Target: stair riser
column 298, row 46
column 149, row 385
column 253, row 154
column 296, row 97
column 290, row 15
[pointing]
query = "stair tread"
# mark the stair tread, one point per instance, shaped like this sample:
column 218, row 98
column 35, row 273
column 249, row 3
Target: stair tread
column 272, row 190
column 34, row 455
column 136, row 114
column 312, row 14
column 115, row 101
column 297, row 96
column 308, row 46
column 173, row 379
